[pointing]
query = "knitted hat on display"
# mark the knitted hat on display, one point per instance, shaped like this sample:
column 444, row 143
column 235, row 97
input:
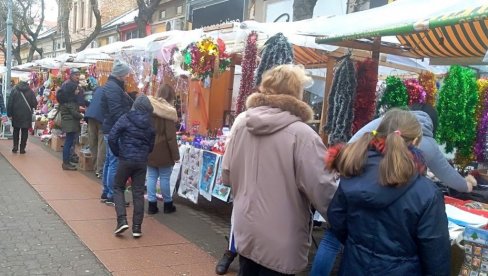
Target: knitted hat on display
column 142, row 103
column 74, row 71
column 120, row 69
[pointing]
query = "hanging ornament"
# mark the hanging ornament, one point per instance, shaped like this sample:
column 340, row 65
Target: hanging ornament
column 204, row 58
column 395, row 95
column 277, row 51
column 428, row 82
column 364, row 105
column 480, row 147
column 416, row 93
column 458, row 98
column 341, row 101
column 248, row 65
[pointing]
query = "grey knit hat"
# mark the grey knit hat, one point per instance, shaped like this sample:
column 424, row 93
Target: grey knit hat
column 120, row 69
column 142, row 103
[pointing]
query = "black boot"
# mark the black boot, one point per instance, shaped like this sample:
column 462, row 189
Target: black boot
column 121, row 226
column 169, row 207
column 152, row 208
column 136, row 231
column 224, row 263
column 15, row 149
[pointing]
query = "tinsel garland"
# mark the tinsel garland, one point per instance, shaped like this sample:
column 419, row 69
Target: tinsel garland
column 458, row 97
column 416, row 93
column 427, row 80
column 341, row 101
column 205, row 58
column 395, row 95
column 364, row 105
column 277, row 51
column 248, row 65
column 481, row 147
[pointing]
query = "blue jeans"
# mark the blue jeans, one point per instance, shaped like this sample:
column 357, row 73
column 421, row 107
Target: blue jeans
column 68, row 144
column 326, row 255
column 164, row 174
column 109, row 170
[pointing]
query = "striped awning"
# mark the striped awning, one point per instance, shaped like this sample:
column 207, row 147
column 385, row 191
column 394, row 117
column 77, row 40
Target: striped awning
column 468, row 39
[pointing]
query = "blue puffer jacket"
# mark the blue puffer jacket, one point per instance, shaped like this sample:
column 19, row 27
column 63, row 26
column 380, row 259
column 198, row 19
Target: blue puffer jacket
column 390, row 231
column 132, row 137
column 94, row 110
column 115, row 103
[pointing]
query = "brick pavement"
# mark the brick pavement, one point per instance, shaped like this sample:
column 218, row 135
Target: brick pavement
column 34, row 240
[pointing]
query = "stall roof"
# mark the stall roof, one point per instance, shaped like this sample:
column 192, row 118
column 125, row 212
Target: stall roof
column 435, row 28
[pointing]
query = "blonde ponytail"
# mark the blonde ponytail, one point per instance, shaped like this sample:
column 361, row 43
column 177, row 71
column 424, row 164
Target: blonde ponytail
column 397, row 165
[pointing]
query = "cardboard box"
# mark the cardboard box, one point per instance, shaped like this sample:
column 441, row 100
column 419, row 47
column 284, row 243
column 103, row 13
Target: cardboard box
column 57, row 143
column 85, row 162
column 40, row 125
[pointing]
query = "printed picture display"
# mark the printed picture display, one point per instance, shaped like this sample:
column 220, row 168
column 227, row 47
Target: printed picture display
column 220, row 190
column 210, row 164
column 190, row 174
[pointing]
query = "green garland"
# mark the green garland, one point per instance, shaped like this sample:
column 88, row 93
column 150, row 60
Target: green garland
column 395, row 95
column 458, row 98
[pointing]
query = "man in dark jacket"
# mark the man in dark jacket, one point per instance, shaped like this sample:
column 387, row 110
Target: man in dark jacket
column 115, row 103
column 131, row 140
column 21, row 102
column 74, row 83
column 94, row 116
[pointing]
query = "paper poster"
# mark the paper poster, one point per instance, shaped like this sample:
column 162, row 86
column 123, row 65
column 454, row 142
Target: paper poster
column 220, row 191
column 210, row 162
column 476, row 252
column 190, row 174
column 176, row 173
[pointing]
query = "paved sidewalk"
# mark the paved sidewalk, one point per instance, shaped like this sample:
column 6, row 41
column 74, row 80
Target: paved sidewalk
column 75, row 197
column 33, row 238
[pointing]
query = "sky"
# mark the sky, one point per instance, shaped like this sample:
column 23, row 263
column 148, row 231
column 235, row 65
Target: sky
column 51, row 11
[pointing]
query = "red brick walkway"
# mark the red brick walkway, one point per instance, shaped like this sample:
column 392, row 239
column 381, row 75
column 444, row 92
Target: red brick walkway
column 75, row 198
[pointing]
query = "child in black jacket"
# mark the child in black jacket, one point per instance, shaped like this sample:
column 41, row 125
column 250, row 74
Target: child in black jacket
column 131, row 140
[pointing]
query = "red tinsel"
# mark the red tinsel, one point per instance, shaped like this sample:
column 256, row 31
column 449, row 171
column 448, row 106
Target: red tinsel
column 416, row 93
column 248, row 64
column 331, row 155
column 364, row 106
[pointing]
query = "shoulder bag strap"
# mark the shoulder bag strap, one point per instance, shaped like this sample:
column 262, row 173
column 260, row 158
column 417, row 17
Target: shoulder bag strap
column 25, row 100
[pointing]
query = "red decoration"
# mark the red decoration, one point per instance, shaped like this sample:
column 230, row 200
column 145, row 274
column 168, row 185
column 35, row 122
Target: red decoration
column 427, row 80
column 365, row 104
column 416, row 93
column 249, row 65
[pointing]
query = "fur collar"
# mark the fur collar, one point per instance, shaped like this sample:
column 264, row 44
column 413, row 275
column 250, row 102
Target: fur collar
column 163, row 109
column 283, row 102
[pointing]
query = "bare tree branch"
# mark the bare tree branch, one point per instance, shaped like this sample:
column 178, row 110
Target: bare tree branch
column 146, row 10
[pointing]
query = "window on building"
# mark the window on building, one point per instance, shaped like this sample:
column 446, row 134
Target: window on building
column 82, row 14
column 179, row 10
column 90, row 18
column 162, row 14
column 75, row 17
column 59, row 45
column 64, row 45
column 112, row 39
column 132, row 34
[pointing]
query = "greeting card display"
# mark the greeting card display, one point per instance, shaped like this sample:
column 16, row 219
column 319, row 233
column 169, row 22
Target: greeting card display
column 476, row 252
column 210, row 162
column 190, row 174
column 220, row 190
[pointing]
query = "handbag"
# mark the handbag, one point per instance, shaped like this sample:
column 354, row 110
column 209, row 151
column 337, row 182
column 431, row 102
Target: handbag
column 57, row 119
column 33, row 118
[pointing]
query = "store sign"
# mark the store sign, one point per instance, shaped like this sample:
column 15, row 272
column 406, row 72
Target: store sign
column 220, row 12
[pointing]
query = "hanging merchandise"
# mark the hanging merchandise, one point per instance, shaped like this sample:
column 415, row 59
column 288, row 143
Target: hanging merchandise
column 205, row 58
column 458, row 97
column 481, row 148
column 248, row 67
column 395, row 95
column 341, row 101
column 416, row 93
column 277, row 51
column 427, row 81
column 364, row 105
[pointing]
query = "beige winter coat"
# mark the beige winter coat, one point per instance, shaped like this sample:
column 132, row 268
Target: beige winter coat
column 274, row 163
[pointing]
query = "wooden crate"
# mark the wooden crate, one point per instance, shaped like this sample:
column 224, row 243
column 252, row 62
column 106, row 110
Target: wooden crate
column 85, row 162
column 57, row 143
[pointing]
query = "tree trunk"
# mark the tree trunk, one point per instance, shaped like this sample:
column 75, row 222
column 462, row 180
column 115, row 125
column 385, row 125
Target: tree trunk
column 146, row 12
column 303, row 9
column 64, row 9
column 98, row 26
column 141, row 27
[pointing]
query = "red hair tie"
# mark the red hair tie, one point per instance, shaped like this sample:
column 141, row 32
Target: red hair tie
column 331, row 154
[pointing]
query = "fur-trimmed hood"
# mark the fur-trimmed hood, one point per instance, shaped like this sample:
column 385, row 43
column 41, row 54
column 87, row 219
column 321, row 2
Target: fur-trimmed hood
column 283, row 102
column 163, row 109
column 268, row 114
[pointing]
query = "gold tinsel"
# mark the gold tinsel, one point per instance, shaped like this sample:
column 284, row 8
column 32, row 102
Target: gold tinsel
column 427, row 80
column 482, row 88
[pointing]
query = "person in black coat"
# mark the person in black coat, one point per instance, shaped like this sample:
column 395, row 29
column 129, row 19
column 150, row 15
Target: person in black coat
column 20, row 107
column 94, row 117
column 115, row 103
column 390, row 218
column 131, row 140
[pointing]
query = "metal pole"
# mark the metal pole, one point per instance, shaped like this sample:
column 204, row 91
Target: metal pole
column 10, row 23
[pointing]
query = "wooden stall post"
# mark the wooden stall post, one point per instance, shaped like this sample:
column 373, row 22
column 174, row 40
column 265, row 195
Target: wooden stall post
column 325, row 104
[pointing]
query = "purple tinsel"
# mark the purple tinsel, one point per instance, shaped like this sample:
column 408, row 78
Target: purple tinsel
column 480, row 148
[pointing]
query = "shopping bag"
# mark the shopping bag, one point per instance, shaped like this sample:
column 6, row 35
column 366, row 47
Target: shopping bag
column 57, row 119
column 175, row 178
